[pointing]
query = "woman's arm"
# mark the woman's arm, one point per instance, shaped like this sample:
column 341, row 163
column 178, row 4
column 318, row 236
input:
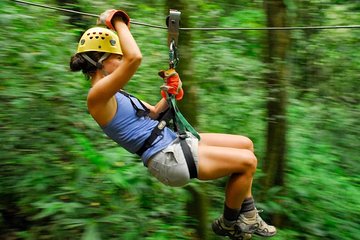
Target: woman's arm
column 105, row 89
column 155, row 111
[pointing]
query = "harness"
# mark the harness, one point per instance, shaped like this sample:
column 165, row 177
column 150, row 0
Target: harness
column 172, row 117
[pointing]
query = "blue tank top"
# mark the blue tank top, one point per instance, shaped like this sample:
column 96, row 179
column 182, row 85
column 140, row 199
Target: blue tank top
column 131, row 131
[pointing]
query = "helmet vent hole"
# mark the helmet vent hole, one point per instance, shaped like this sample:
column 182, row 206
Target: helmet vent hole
column 102, row 38
column 91, row 37
column 99, row 46
column 96, row 37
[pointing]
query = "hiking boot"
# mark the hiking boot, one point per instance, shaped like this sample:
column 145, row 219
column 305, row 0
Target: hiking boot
column 233, row 231
column 251, row 222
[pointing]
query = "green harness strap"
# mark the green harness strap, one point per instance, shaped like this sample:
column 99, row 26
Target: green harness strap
column 180, row 121
column 183, row 126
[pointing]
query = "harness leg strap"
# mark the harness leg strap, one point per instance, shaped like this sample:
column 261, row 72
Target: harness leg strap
column 189, row 158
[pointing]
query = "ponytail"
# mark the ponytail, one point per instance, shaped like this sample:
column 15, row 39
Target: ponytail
column 79, row 63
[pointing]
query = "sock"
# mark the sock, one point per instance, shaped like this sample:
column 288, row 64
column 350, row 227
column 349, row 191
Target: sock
column 247, row 205
column 230, row 215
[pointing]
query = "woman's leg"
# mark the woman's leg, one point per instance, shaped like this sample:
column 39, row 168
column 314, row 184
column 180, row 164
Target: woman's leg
column 221, row 155
column 234, row 142
column 239, row 164
column 226, row 140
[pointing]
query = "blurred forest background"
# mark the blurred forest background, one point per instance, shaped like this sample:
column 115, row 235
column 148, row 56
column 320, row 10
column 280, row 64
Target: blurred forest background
column 294, row 93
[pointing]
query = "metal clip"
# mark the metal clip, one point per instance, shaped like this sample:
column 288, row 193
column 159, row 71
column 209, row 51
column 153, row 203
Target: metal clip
column 173, row 23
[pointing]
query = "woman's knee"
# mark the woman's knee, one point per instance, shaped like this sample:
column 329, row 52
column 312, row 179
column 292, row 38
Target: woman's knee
column 250, row 163
column 245, row 163
column 248, row 143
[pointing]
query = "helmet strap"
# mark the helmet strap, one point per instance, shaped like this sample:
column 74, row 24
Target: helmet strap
column 98, row 64
column 103, row 57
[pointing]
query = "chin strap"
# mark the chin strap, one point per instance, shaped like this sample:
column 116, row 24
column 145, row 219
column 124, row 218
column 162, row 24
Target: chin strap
column 98, row 64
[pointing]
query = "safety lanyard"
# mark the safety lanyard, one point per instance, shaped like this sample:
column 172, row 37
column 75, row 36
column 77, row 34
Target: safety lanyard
column 181, row 124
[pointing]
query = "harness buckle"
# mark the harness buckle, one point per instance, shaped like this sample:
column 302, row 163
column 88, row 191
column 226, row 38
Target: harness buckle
column 183, row 135
column 162, row 124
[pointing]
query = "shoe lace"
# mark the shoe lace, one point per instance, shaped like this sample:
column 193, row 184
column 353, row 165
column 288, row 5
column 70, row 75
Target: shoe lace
column 262, row 224
column 258, row 217
column 237, row 234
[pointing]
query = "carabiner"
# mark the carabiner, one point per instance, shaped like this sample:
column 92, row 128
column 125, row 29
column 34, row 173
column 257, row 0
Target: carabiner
column 173, row 55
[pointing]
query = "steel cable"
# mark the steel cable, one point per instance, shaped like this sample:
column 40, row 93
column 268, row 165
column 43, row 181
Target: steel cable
column 197, row 29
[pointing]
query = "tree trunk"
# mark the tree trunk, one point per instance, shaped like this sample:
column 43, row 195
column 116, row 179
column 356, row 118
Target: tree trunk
column 277, row 45
column 197, row 208
column 197, row 205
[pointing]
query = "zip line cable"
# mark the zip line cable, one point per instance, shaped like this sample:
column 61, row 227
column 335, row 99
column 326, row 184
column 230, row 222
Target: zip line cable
column 195, row 29
column 81, row 13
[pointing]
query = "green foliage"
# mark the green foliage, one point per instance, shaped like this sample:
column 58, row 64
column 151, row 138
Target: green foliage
column 60, row 178
column 327, row 197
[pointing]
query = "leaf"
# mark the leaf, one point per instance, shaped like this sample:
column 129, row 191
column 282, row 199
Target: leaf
column 48, row 210
column 91, row 232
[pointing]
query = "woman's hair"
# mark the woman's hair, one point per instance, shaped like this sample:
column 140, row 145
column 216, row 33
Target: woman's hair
column 79, row 63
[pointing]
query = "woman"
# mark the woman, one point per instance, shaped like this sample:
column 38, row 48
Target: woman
column 129, row 122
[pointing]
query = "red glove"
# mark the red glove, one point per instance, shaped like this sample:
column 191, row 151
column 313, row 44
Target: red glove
column 172, row 85
column 107, row 17
column 178, row 96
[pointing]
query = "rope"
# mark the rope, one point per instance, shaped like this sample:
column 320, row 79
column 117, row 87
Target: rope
column 197, row 29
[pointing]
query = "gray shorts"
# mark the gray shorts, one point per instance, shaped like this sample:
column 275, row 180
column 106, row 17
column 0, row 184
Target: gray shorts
column 169, row 165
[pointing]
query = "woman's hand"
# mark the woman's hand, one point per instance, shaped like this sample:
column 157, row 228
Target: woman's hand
column 109, row 17
column 172, row 85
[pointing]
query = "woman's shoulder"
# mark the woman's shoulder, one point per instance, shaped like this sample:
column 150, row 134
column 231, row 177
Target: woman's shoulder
column 102, row 111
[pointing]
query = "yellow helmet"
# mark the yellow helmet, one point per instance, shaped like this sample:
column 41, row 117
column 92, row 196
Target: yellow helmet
column 99, row 39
